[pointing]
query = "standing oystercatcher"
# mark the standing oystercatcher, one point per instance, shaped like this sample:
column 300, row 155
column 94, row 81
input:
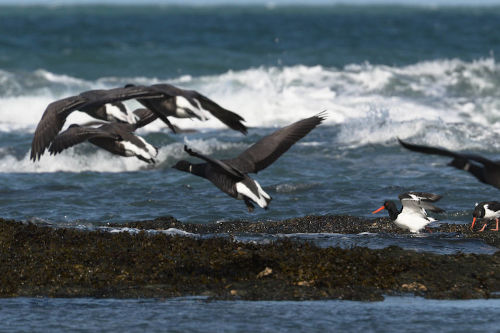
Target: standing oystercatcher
column 413, row 215
column 487, row 210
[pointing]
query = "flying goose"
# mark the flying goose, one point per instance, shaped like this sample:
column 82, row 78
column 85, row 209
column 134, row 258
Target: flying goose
column 163, row 100
column 180, row 103
column 117, row 138
column 413, row 214
column 485, row 170
column 231, row 176
column 91, row 102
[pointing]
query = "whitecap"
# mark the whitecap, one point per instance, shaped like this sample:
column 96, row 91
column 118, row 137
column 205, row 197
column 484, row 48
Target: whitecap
column 441, row 101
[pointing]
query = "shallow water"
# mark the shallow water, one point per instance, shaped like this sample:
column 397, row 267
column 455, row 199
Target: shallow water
column 374, row 85
column 428, row 75
column 435, row 242
column 440, row 243
column 394, row 314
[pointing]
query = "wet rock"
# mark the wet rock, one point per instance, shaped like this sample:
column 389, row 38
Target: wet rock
column 267, row 271
column 414, row 286
column 310, row 224
column 58, row 262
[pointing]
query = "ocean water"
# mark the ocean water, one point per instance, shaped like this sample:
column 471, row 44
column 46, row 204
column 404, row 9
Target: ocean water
column 425, row 74
column 428, row 75
column 196, row 314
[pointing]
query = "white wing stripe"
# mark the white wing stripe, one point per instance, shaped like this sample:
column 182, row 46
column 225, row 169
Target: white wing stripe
column 260, row 200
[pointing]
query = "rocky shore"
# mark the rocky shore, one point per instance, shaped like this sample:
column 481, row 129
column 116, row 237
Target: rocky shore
column 343, row 224
column 63, row 262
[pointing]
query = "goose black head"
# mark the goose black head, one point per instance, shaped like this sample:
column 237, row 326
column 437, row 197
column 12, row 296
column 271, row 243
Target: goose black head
column 460, row 163
column 183, row 165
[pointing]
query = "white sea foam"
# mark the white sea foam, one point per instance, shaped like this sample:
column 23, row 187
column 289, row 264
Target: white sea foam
column 291, row 188
column 169, row 231
column 439, row 101
column 70, row 161
column 98, row 160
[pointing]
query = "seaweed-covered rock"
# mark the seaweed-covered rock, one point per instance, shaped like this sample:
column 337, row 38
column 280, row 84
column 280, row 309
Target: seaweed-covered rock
column 309, row 224
column 44, row 261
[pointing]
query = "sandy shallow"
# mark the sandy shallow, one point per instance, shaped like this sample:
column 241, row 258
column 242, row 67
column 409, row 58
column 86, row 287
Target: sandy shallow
column 64, row 262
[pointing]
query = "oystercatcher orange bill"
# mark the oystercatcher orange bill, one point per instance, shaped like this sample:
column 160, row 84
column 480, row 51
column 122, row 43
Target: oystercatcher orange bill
column 473, row 221
column 378, row 210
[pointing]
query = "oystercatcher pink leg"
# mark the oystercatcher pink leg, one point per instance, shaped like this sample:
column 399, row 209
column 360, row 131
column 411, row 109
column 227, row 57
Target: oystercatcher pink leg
column 496, row 229
column 484, row 226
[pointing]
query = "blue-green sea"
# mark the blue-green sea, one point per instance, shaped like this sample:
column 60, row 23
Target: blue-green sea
column 428, row 75
column 197, row 314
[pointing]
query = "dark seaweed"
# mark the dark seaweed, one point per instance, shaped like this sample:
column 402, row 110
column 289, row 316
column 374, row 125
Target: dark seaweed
column 59, row 262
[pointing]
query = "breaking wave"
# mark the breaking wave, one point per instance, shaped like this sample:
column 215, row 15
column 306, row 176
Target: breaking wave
column 448, row 102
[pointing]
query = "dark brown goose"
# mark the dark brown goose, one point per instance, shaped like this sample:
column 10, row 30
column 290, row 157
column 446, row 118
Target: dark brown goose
column 91, row 102
column 231, row 176
column 117, row 138
column 485, row 170
column 180, row 103
column 163, row 100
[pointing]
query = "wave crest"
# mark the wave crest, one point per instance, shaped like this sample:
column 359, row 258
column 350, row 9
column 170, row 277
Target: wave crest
column 371, row 103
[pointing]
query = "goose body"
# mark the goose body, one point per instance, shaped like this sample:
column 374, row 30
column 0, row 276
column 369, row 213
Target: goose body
column 231, row 176
column 485, row 170
column 117, row 138
column 100, row 104
column 114, row 112
column 181, row 103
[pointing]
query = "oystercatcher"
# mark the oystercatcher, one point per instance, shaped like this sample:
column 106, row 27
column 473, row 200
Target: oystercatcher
column 413, row 215
column 489, row 210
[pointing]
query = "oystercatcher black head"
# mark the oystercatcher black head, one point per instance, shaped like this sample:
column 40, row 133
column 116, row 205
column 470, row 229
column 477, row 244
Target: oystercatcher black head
column 391, row 208
column 489, row 210
column 413, row 215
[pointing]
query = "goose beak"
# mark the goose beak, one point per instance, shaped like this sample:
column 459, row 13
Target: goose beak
column 473, row 221
column 378, row 210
